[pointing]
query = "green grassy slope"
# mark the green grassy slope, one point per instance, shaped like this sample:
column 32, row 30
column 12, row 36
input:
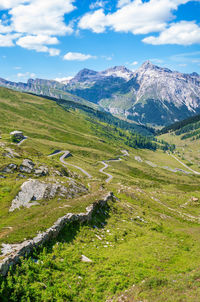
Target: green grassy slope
column 147, row 240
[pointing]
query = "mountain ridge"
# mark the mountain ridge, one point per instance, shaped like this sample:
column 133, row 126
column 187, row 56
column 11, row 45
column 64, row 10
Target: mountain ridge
column 151, row 95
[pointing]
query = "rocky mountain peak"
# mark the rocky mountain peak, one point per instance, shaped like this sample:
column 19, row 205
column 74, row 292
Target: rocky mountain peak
column 118, row 71
column 84, row 75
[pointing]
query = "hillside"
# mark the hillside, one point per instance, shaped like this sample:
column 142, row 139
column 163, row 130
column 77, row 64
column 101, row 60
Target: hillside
column 142, row 241
column 186, row 135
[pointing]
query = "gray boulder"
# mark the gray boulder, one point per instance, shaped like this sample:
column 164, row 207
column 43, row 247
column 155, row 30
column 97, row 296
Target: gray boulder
column 27, row 166
column 34, row 190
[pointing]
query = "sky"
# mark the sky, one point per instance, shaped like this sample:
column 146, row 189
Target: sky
column 54, row 39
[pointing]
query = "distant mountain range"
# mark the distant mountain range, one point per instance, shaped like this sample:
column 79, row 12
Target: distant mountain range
column 150, row 95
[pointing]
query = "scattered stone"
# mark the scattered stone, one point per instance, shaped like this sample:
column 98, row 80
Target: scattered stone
column 2, row 176
column 195, row 199
column 138, row 158
column 21, row 175
column 41, row 171
column 27, row 166
column 9, row 168
column 98, row 237
column 85, row 259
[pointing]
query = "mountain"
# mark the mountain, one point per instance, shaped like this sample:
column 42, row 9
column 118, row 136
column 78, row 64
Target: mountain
column 150, row 95
column 91, row 76
column 49, row 88
column 156, row 95
column 188, row 128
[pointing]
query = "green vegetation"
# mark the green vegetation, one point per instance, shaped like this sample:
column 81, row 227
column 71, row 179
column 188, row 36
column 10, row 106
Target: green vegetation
column 148, row 243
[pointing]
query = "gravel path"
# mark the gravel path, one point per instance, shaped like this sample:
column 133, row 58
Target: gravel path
column 124, row 153
column 25, row 137
column 62, row 160
column 195, row 172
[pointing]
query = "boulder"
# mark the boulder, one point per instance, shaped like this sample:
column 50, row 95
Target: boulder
column 27, row 166
column 34, row 190
column 41, row 171
column 9, row 168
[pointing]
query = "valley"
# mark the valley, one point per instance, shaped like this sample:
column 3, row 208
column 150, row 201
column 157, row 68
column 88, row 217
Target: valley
column 142, row 245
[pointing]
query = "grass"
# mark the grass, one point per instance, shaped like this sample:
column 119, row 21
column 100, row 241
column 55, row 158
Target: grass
column 148, row 239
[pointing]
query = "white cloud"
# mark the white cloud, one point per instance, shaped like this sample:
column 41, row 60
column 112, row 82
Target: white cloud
column 7, row 40
column 134, row 63
column 34, row 19
column 64, row 79
column 26, row 75
column 6, row 4
column 97, row 4
column 136, row 16
column 5, row 29
column 39, row 43
column 121, row 3
column 181, row 33
column 77, row 56
column 42, row 17
column 96, row 21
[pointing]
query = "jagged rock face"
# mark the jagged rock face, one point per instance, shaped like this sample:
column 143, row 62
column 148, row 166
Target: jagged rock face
column 34, row 190
column 151, row 94
column 164, row 85
column 87, row 75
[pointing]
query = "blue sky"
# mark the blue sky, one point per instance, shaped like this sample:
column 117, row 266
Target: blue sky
column 56, row 38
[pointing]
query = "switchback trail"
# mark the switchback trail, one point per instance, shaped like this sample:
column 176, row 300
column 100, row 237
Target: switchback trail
column 62, row 160
column 104, row 162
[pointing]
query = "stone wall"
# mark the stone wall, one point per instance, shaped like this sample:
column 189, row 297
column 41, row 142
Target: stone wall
column 26, row 247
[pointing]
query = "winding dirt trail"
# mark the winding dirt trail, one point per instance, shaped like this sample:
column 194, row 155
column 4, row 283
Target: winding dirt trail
column 66, row 154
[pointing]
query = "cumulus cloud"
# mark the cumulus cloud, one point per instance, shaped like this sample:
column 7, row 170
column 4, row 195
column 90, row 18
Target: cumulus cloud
column 136, row 16
column 121, row 3
column 37, row 22
column 6, row 4
column 5, row 28
column 42, row 17
column 8, row 40
column 77, row 56
column 180, row 33
column 39, row 43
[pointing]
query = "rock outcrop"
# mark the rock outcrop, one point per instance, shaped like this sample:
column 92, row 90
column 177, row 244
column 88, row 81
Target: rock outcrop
column 33, row 191
column 12, row 253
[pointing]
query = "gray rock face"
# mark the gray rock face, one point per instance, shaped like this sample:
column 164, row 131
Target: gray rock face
column 9, row 169
column 34, row 190
column 41, row 171
column 27, row 166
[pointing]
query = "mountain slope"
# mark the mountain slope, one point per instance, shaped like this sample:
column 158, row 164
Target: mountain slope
column 150, row 95
column 153, row 231
column 158, row 96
